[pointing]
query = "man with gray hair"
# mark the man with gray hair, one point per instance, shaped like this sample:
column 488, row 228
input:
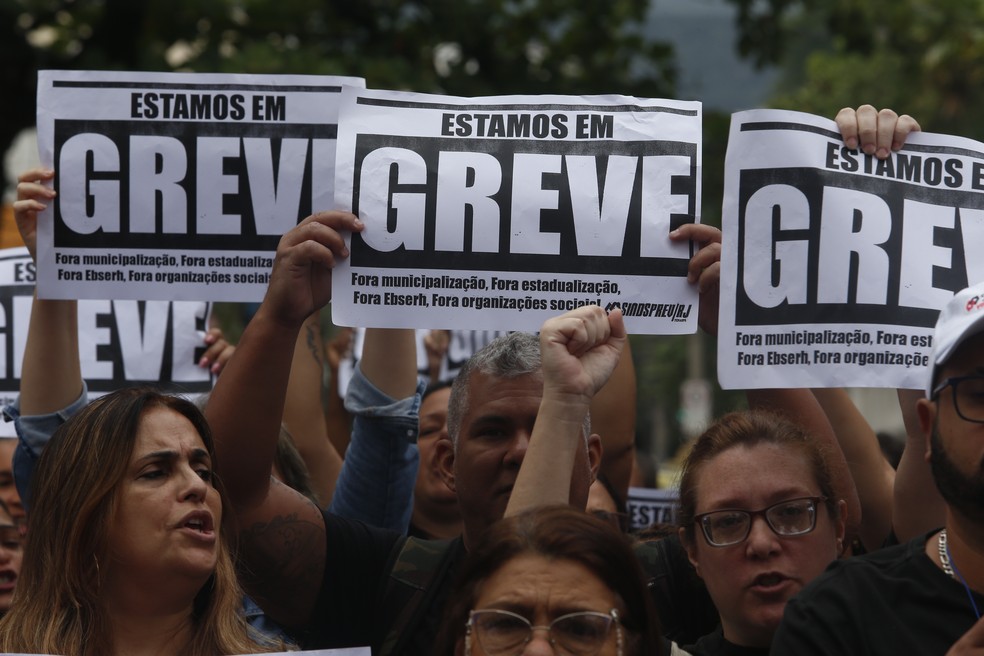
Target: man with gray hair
column 340, row 583
column 493, row 413
column 925, row 596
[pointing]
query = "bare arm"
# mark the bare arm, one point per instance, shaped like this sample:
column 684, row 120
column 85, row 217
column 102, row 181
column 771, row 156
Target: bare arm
column 281, row 534
column 389, row 361
column 51, row 378
column 303, row 413
column 872, row 475
column 915, row 491
column 579, row 350
column 800, row 406
column 613, row 417
column 337, row 419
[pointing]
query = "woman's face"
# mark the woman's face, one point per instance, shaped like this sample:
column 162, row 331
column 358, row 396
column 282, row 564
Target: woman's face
column 168, row 516
column 751, row 581
column 11, row 555
column 542, row 590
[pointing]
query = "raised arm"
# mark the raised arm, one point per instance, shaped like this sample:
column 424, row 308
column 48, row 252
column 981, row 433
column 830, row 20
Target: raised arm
column 337, row 419
column 579, row 351
column 377, row 479
column 303, row 412
column 918, row 505
column 281, row 533
column 801, row 407
column 51, row 378
column 873, row 476
column 613, row 418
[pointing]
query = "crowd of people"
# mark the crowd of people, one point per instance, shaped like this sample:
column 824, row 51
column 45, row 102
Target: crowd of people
column 473, row 517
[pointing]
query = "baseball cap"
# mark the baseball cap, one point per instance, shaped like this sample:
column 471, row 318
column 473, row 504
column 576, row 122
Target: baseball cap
column 961, row 318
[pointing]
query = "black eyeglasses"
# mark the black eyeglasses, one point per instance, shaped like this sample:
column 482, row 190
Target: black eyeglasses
column 968, row 396
column 788, row 518
column 503, row 633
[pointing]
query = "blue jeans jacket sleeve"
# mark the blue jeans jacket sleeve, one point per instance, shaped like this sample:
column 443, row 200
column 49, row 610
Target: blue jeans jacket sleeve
column 380, row 467
column 33, row 433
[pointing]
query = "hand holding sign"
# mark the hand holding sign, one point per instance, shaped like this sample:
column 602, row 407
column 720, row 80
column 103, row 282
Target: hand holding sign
column 32, row 194
column 705, row 270
column 877, row 130
column 301, row 278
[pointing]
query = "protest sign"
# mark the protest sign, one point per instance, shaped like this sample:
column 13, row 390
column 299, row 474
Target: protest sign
column 121, row 343
column 179, row 186
column 647, row 506
column 462, row 344
column 500, row 212
column 835, row 264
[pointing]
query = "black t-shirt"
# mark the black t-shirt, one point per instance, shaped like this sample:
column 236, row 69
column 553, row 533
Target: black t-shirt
column 714, row 644
column 357, row 563
column 685, row 609
column 350, row 609
column 893, row 601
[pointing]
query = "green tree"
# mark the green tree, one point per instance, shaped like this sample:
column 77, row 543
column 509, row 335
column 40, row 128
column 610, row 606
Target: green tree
column 459, row 47
column 921, row 57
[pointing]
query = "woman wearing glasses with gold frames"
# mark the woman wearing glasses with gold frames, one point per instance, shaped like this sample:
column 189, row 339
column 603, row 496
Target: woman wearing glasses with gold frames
column 551, row 581
column 759, row 520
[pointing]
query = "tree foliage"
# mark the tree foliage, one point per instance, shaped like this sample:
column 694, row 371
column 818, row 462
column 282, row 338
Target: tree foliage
column 459, row 47
column 921, row 57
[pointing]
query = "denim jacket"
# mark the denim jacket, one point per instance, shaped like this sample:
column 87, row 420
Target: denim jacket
column 33, row 433
column 379, row 471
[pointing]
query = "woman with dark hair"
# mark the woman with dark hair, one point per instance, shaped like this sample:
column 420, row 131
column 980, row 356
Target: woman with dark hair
column 551, row 576
column 759, row 519
column 11, row 555
column 125, row 550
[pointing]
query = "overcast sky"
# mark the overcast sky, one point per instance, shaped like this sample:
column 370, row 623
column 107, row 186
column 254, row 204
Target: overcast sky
column 703, row 35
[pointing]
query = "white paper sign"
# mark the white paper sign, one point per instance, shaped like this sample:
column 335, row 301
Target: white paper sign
column 121, row 343
column 500, row 212
column 648, row 506
column 179, row 186
column 835, row 264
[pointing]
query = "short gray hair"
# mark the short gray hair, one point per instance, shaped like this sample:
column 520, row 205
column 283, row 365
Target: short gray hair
column 509, row 356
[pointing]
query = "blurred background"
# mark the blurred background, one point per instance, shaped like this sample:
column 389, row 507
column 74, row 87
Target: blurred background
column 921, row 57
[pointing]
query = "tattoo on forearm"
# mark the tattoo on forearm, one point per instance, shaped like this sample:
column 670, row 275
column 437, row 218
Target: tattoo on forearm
column 281, row 557
column 313, row 343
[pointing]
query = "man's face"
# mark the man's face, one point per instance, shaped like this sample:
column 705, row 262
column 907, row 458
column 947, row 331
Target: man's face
column 495, row 433
column 956, row 446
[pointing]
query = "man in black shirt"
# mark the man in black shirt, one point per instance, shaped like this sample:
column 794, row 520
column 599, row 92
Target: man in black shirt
column 338, row 583
column 923, row 597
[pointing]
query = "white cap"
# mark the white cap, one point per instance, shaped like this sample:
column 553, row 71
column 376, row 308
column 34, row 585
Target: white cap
column 962, row 318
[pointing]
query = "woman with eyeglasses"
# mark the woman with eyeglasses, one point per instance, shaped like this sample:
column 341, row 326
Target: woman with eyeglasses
column 759, row 520
column 554, row 580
